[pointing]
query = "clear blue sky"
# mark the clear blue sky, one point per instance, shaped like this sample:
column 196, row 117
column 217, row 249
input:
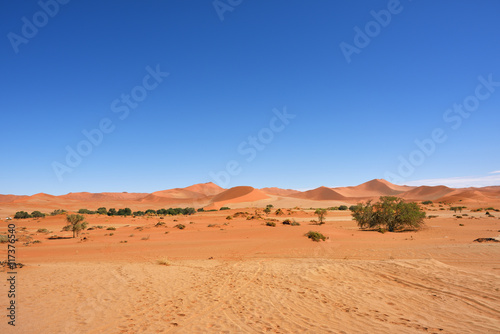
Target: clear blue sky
column 354, row 121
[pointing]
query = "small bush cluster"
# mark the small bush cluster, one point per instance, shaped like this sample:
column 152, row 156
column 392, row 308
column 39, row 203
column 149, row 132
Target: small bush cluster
column 43, row 230
column 24, row 215
column 150, row 212
column 58, row 212
column 290, row 222
column 315, row 236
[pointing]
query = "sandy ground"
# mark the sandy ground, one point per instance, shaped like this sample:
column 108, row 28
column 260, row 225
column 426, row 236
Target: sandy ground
column 240, row 276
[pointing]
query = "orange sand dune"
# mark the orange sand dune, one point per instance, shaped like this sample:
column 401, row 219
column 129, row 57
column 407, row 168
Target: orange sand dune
column 377, row 187
column 10, row 198
column 177, row 193
column 427, row 193
column 490, row 191
column 37, row 198
column 196, row 191
column 320, row 194
column 278, row 191
column 468, row 196
column 201, row 195
column 105, row 196
column 207, row 189
column 238, row 195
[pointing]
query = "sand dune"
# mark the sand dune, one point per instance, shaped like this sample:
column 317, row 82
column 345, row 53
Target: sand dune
column 278, row 191
column 195, row 191
column 37, row 198
column 105, row 196
column 207, row 189
column 320, row 194
column 205, row 194
column 468, row 196
column 427, row 193
column 10, row 198
column 373, row 188
column 177, row 193
column 237, row 195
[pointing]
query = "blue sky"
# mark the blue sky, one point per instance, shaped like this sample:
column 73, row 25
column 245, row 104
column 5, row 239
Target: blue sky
column 234, row 69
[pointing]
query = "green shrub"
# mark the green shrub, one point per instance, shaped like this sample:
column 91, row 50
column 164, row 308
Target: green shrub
column 229, row 217
column 86, row 211
column 287, row 222
column 391, row 213
column 427, row 202
column 111, row 228
column 57, row 212
column 343, row 207
column 37, row 214
column 102, row 211
column 22, row 215
column 124, row 212
column 315, row 236
column 273, row 224
column 180, row 226
column 224, row 208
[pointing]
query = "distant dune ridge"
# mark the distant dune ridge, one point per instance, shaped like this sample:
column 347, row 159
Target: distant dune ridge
column 320, row 194
column 210, row 196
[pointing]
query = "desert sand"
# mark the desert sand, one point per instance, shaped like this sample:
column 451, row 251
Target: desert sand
column 237, row 275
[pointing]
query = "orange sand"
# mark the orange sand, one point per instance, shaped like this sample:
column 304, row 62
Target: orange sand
column 240, row 276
